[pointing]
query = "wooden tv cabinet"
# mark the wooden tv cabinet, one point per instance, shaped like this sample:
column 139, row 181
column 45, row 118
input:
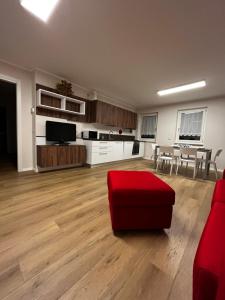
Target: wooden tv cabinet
column 56, row 157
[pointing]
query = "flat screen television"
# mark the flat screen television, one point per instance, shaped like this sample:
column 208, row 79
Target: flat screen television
column 61, row 133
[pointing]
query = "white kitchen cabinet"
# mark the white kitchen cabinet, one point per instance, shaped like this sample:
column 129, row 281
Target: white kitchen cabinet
column 142, row 149
column 127, row 149
column 117, row 149
column 99, row 152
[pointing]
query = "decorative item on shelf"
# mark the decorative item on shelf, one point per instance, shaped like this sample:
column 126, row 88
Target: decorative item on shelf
column 65, row 88
column 120, row 131
column 92, row 95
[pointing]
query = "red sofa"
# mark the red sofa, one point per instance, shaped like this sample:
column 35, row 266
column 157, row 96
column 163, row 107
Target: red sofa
column 209, row 263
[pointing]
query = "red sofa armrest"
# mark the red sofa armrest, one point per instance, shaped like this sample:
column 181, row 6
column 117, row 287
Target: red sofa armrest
column 208, row 271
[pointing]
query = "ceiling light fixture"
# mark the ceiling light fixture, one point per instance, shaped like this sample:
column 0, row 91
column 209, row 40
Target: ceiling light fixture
column 40, row 8
column 182, row 88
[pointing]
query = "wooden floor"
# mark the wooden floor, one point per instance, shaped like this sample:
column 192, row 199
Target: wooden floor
column 56, row 240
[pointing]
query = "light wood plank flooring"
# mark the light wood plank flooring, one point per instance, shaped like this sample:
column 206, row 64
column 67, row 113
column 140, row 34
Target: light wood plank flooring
column 56, row 240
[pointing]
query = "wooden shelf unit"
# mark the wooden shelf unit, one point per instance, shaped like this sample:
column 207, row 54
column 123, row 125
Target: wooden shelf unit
column 61, row 103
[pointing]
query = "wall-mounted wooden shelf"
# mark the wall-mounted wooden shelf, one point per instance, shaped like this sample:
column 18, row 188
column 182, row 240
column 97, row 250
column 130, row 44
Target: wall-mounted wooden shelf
column 61, row 103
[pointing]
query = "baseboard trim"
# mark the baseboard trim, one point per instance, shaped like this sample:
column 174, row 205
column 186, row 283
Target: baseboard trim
column 26, row 170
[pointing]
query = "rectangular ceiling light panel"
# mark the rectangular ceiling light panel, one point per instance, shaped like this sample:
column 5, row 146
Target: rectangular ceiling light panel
column 182, row 88
column 40, row 8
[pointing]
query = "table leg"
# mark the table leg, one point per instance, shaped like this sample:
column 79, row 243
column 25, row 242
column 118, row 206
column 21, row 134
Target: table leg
column 207, row 165
column 155, row 157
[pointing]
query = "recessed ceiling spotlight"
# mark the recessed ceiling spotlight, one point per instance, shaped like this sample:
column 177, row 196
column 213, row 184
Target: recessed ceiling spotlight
column 182, row 88
column 40, row 8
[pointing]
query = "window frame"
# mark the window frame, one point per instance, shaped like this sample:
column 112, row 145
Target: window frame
column 151, row 140
column 191, row 110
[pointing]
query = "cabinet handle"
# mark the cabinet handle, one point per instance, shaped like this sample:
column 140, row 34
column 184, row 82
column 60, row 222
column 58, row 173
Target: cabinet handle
column 103, row 147
column 103, row 153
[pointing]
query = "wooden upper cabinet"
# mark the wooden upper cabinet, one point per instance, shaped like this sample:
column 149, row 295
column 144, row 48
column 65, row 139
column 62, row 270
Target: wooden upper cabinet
column 108, row 114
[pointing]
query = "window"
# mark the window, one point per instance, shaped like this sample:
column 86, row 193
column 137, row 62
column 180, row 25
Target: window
column 148, row 127
column 191, row 126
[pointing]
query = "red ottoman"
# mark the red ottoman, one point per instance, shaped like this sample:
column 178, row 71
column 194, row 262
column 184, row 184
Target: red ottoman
column 139, row 200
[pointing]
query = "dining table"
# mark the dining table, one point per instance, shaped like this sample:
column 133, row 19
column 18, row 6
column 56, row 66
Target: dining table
column 203, row 150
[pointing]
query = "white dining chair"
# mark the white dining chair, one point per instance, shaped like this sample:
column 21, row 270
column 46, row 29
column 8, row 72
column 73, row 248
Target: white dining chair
column 188, row 155
column 154, row 145
column 166, row 154
column 213, row 161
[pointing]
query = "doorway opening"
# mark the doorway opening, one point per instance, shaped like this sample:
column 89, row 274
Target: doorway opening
column 8, row 125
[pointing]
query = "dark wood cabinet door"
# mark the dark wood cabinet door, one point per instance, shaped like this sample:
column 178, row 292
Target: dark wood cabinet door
column 119, row 117
column 63, row 155
column 56, row 156
column 77, row 154
column 82, row 154
column 107, row 114
column 47, row 156
column 134, row 121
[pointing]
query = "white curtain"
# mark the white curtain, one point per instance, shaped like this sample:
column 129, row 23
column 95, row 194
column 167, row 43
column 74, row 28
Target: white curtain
column 148, row 128
column 191, row 124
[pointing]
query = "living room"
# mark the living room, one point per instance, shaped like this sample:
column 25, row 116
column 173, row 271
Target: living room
column 112, row 150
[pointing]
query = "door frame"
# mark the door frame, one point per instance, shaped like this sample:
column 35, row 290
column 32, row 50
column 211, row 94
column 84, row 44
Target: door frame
column 18, row 117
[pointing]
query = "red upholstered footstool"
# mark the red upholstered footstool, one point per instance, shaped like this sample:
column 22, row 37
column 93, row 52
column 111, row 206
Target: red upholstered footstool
column 139, row 200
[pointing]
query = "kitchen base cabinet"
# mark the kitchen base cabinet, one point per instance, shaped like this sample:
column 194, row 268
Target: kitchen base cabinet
column 117, row 149
column 99, row 152
column 53, row 157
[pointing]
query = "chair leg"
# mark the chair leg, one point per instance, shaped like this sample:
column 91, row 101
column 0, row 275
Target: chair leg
column 177, row 168
column 201, row 165
column 215, row 168
column 197, row 170
column 194, row 172
column 171, row 168
column 157, row 165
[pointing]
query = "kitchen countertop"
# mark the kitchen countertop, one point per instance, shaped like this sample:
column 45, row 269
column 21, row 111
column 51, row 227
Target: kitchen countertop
column 111, row 140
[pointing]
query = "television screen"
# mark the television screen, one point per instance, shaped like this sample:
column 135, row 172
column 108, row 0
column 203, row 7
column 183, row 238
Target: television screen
column 60, row 132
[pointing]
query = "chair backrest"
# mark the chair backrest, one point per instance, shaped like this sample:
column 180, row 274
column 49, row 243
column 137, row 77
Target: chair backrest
column 218, row 152
column 153, row 146
column 189, row 152
column 166, row 149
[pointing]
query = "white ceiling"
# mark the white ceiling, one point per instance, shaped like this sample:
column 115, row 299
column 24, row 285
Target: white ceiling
column 124, row 48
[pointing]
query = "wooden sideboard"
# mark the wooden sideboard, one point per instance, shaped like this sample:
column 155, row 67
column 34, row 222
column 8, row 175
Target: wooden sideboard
column 52, row 156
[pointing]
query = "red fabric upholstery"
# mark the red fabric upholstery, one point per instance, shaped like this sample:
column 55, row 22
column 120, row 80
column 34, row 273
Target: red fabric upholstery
column 210, row 257
column 139, row 200
column 219, row 192
column 209, row 264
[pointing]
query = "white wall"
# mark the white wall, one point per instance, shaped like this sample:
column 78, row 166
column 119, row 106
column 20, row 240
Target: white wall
column 25, row 79
column 167, row 120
